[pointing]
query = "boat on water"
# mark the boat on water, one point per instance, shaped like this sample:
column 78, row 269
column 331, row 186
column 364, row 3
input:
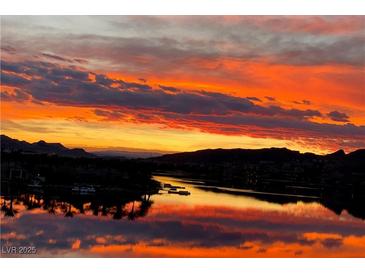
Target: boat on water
column 183, row 192
column 180, row 192
column 84, row 190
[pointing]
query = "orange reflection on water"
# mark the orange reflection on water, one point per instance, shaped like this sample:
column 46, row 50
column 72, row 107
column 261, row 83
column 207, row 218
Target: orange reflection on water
column 204, row 224
column 352, row 247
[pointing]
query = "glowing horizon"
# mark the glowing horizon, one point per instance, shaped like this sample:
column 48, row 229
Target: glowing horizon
column 184, row 83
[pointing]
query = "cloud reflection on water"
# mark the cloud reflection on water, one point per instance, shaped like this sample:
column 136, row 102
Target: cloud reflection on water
column 191, row 229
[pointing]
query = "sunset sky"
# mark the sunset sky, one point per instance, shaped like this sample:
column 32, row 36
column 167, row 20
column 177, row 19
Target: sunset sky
column 183, row 83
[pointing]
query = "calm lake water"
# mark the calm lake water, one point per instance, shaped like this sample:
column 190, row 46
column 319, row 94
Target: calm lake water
column 204, row 224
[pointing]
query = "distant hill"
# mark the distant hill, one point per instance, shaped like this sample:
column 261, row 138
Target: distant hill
column 358, row 155
column 13, row 145
column 126, row 154
column 250, row 155
column 211, row 156
column 230, row 155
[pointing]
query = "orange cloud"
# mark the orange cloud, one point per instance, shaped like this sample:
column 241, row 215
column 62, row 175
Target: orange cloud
column 135, row 80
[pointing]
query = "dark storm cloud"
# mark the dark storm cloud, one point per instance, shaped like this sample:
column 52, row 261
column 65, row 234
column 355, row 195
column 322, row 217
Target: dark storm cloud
column 275, row 126
column 133, row 85
column 13, row 80
column 18, row 95
column 13, row 67
column 68, row 85
column 72, row 86
column 338, row 116
column 105, row 81
column 332, row 242
column 299, row 114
